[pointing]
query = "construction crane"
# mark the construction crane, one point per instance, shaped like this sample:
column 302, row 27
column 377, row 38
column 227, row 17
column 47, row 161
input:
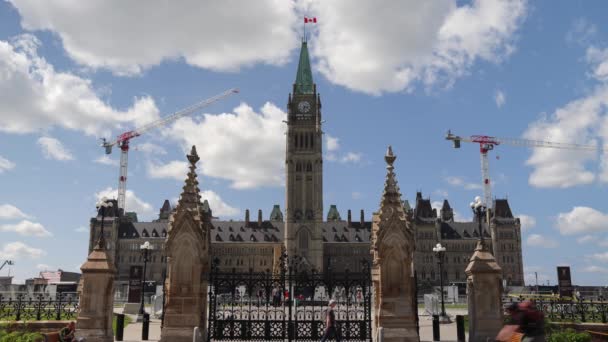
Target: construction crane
column 6, row 262
column 487, row 143
column 124, row 139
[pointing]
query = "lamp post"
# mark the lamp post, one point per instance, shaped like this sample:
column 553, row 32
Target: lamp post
column 144, row 248
column 102, row 208
column 439, row 251
column 479, row 209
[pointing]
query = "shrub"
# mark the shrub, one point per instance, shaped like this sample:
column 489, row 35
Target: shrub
column 569, row 335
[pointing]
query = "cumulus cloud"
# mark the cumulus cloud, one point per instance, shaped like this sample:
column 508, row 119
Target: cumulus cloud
column 34, row 96
column 106, row 160
column 26, row 228
column 43, row 267
column 81, row 229
column 217, row 205
column 8, row 211
column 595, row 269
column 54, row 149
column 244, row 147
column 581, row 220
column 175, row 169
column 499, row 98
column 150, row 148
column 405, row 42
column 526, row 221
column 461, row 182
column 351, row 157
column 585, row 239
column 537, row 240
column 582, row 121
column 331, row 143
column 18, row 250
column 228, row 34
column 603, row 257
column 132, row 202
column 6, row 164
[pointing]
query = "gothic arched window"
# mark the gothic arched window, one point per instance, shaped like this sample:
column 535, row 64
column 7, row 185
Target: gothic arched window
column 309, row 167
column 298, row 167
column 312, row 141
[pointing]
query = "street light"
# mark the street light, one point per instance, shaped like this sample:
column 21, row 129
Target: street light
column 144, row 248
column 103, row 206
column 479, row 209
column 439, row 251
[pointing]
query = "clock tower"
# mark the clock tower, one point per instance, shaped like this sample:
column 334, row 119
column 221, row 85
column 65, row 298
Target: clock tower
column 304, row 168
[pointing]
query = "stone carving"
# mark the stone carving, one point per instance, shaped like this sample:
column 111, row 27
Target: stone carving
column 484, row 291
column 187, row 249
column 392, row 249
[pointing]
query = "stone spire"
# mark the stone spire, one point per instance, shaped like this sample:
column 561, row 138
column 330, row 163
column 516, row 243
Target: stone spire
column 391, row 197
column 190, row 197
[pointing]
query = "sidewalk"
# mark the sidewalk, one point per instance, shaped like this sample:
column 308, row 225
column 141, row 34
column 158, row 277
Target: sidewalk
column 132, row 332
column 447, row 332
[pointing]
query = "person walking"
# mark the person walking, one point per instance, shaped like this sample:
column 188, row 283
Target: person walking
column 331, row 330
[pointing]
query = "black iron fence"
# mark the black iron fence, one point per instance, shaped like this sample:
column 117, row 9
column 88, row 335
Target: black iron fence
column 569, row 310
column 38, row 307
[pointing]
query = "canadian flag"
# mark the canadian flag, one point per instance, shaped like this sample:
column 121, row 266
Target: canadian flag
column 310, row 20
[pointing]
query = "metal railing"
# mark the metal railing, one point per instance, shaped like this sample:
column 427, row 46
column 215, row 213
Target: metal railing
column 26, row 307
column 569, row 310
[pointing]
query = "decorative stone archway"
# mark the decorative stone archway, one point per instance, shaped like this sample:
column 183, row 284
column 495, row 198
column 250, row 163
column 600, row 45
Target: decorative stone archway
column 187, row 249
column 392, row 251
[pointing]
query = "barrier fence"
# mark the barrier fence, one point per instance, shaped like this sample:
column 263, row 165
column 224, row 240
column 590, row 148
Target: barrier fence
column 38, row 307
column 569, row 310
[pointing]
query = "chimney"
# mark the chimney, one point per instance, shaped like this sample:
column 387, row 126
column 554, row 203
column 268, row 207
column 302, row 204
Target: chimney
column 362, row 217
column 349, row 218
column 247, row 217
column 260, row 217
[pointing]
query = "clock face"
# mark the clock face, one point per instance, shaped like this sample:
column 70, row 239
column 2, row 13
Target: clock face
column 304, row 106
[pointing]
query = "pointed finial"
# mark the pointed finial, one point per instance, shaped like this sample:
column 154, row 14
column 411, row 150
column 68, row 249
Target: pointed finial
column 390, row 157
column 193, row 156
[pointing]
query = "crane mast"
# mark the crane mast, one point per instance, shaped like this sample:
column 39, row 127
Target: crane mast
column 123, row 140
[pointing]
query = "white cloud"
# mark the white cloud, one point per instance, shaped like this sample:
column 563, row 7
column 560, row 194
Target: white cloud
column 34, row 96
column 6, row 164
column 228, row 35
column 331, row 143
column 537, row 240
column 585, row 239
column 244, row 147
column 460, row 182
column 405, row 42
column 217, row 205
column 132, row 202
column 581, row 32
column 26, row 228
column 43, row 267
column 150, row 148
column 499, row 98
column 174, row 169
column 595, row 269
column 526, row 221
column 54, row 149
column 598, row 59
column 580, row 121
column 82, row 229
column 351, row 157
column 581, row 220
column 8, row 211
column 603, row 257
column 18, row 250
column 105, row 160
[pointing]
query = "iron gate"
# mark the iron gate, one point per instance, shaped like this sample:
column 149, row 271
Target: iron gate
column 287, row 305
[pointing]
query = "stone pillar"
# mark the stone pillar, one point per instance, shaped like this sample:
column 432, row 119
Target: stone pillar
column 392, row 249
column 187, row 249
column 484, row 294
column 94, row 322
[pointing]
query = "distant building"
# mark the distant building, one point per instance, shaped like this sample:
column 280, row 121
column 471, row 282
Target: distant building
column 256, row 244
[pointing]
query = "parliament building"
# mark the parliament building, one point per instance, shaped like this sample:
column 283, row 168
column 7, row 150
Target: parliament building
column 322, row 241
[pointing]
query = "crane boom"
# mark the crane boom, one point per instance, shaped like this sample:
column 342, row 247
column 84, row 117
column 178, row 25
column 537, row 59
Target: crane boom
column 123, row 139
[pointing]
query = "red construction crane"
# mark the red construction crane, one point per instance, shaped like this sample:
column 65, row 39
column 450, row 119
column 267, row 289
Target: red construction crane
column 123, row 140
column 487, row 143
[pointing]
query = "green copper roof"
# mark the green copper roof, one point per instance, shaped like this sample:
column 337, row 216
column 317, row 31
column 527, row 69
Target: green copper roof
column 304, row 76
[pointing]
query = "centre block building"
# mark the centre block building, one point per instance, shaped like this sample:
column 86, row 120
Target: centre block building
column 322, row 242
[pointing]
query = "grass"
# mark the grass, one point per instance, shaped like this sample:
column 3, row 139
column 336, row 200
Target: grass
column 126, row 322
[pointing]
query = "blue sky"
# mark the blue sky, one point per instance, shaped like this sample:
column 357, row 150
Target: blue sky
column 389, row 72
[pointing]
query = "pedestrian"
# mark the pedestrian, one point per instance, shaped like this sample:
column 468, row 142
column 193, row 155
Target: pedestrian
column 66, row 334
column 331, row 329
